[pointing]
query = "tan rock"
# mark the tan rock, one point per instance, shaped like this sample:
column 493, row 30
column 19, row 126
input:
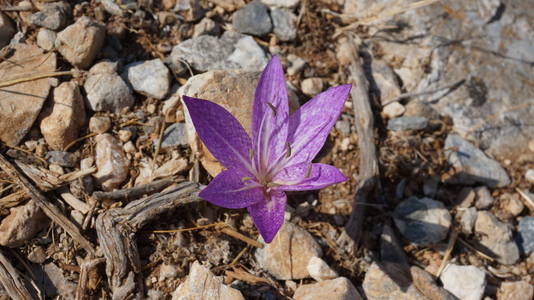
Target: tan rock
column 312, row 86
column 202, row 284
column 288, row 255
column 233, row 90
column 518, row 290
column 80, row 42
column 111, row 162
column 63, row 119
column 377, row 285
column 99, row 124
column 393, row 110
column 20, row 104
column 497, row 237
column 320, row 270
column 335, row 289
column 22, row 223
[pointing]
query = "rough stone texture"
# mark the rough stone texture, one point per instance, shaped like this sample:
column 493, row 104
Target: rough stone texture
column 7, row 30
column 21, row 103
column 150, row 78
column 281, row 3
column 518, row 290
column 174, row 135
column 489, row 38
column 190, row 10
column 253, row 18
column 106, row 90
column 311, row 86
column 335, row 289
column 80, row 42
column 284, row 23
column 468, row 218
column 320, row 270
column 288, row 255
column 497, row 237
column 408, row 123
column 393, row 110
column 422, row 221
column 111, row 162
column 525, row 238
column 472, row 165
column 377, row 285
column 206, row 52
column 385, row 81
column 54, row 16
column 58, row 283
column 99, row 124
column 46, row 39
column 61, row 158
column 233, row 90
column 206, row 26
column 22, row 223
column 63, row 119
column 464, row 282
column 484, row 198
column 202, row 284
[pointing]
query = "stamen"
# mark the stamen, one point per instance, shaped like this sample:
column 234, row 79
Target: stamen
column 288, row 152
column 246, row 178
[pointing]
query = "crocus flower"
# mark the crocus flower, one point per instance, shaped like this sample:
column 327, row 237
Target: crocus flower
column 278, row 155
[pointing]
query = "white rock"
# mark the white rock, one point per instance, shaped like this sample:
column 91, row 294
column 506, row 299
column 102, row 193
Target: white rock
column 202, row 284
column 167, row 271
column 248, row 54
column 46, row 39
column 335, row 289
column 150, row 78
column 517, row 290
column 106, row 90
column 529, row 175
column 393, row 110
column 320, row 270
column 312, row 86
column 465, row 282
column 111, row 162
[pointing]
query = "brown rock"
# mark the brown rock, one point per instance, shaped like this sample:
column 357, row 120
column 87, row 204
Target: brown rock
column 64, row 118
column 20, row 104
column 336, row 289
column 99, row 124
column 80, row 42
column 377, row 285
column 233, row 90
column 22, row 223
column 287, row 256
column 519, row 290
column 111, row 162
column 202, row 284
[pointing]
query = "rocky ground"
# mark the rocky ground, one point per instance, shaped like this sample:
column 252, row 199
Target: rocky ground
column 91, row 113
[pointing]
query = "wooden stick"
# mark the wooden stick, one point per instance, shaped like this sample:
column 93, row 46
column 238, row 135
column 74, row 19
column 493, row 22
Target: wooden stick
column 86, row 267
column 364, row 122
column 239, row 236
column 11, row 280
column 48, row 208
column 134, row 192
column 447, row 256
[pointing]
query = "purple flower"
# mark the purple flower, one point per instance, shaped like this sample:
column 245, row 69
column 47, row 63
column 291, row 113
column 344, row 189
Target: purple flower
column 278, row 155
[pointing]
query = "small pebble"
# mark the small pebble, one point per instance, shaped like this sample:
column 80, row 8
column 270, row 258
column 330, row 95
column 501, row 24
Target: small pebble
column 56, row 169
column 253, row 19
column 99, row 124
column 393, row 110
column 124, row 135
column 408, row 123
column 62, row 158
column 529, row 175
column 320, row 270
column 312, row 86
column 484, row 198
column 526, row 235
column 465, row 282
column 46, row 39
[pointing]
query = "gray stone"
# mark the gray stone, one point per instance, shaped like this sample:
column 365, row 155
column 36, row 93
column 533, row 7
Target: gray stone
column 284, row 23
column 472, row 165
column 191, row 10
column 54, row 16
column 377, row 285
column 205, row 53
column 497, row 237
column 174, row 135
column 253, row 18
column 111, row 7
column 468, row 218
column 320, row 270
column 106, row 90
column 296, row 64
column 335, row 289
column 517, row 290
column 464, row 282
column 80, row 42
column 385, row 80
column 281, row 3
column 422, row 221
column 525, row 238
column 62, row 158
column 60, row 284
column 150, row 78
column 46, row 39
column 407, row 123
column 484, row 198
column 7, row 30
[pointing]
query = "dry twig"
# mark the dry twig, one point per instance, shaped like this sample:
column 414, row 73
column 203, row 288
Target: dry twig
column 11, row 280
column 134, row 192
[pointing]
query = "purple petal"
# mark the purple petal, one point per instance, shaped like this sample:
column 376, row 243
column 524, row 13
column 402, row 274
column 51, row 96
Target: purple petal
column 310, row 125
column 306, row 176
column 229, row 190
column 270, row 113
column 224, row 136
column 269, row 215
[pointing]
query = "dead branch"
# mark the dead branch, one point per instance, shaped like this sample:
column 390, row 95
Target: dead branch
column 85, row 268
column 135, row 192
column 364, row 122
column 52, row 211
column 11, row 281
column 116, row 230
